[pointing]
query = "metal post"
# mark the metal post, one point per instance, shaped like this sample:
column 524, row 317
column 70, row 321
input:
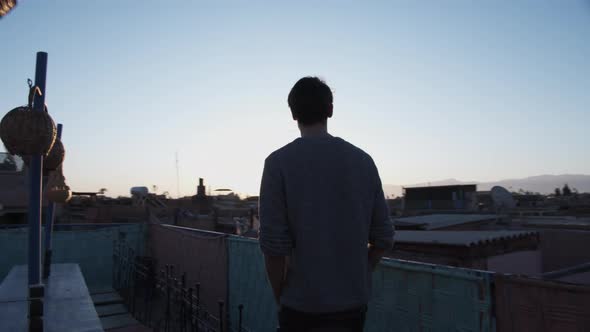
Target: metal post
column 220, row 316
column 49, row 221
column 190, row 309
column 36, row 290
column 240, row 309
column 35, row 175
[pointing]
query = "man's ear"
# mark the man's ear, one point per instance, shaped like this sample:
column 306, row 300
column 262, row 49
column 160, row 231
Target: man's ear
column 331, row 111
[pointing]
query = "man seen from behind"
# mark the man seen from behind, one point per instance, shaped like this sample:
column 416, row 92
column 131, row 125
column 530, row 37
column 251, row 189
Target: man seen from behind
column 324, row 221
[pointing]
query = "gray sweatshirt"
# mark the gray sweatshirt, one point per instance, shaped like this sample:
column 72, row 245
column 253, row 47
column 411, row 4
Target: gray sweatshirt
column 321, row 203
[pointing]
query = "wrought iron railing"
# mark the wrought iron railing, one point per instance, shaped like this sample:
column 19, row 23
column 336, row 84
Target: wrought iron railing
column 163, row 300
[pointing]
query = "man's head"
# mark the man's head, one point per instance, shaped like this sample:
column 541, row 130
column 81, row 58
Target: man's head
column 310, row 101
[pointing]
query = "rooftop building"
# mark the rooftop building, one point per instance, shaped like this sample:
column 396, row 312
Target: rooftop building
column 441, row 198
column 499, row 251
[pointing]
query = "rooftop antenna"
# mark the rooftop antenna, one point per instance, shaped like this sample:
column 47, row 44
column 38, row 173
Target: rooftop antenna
column 177, row 178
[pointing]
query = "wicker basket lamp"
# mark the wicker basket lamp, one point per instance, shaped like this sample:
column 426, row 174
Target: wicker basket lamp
column 54, row 158
column 6, row 6
column 56, row 190
column 26, row 132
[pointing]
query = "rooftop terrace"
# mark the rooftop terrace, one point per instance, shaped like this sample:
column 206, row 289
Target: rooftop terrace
column 407, row 296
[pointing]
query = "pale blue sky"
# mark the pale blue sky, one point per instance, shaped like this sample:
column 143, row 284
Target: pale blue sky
column 475, row 90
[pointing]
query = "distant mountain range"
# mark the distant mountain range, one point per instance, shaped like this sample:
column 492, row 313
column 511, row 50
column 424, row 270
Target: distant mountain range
column 543, row 184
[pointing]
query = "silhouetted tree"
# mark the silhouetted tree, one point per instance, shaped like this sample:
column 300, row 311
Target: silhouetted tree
column 566, row 191
column 557, row 192
column 102, row 191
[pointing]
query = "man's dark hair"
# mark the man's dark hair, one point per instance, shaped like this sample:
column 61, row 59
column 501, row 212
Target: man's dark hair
column 310, row 100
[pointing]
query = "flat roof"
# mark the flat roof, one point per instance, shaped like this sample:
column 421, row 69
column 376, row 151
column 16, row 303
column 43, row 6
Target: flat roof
column 437, row 221
column 557, row 222
column 461, row 238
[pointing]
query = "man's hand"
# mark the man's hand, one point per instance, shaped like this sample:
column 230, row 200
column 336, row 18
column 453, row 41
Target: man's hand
column 375, row 255
column 276, row 272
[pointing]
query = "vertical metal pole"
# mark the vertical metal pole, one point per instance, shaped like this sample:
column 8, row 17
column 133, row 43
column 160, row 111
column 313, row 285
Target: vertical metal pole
column 36, row 288
column 240, row 309
column 35, row 177
column 49, row 221
column 220, row 316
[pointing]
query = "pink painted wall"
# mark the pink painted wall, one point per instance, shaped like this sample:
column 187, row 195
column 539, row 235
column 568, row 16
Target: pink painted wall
column 527, row 262
column 524, row 304
column 564, row 248
column 13, row 193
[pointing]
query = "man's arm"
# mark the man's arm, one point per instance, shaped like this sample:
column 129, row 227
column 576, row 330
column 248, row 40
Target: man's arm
column 275, row 271
column 375, row 255
column 275, row 239
column 382, row 230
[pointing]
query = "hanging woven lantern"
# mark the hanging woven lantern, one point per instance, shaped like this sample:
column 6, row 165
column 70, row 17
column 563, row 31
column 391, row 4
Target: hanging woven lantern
column 27, row 132
column 6, row 6
column 54, row 158
column 56, row 190
column 59, row 195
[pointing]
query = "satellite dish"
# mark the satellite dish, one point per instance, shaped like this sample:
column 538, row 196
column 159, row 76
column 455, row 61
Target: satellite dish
column 502, row 198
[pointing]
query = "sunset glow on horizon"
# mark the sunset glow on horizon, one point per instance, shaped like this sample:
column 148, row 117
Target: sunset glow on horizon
column 467, row 90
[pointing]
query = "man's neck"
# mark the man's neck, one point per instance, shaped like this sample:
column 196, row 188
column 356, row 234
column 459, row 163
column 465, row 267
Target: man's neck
column 314, row 130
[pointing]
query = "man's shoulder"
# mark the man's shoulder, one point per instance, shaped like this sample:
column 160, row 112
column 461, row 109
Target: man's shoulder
column 291, row 148
column 356, row 150
column 280, row 152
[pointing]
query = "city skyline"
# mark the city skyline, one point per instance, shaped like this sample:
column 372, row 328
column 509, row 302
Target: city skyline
column 480, row 92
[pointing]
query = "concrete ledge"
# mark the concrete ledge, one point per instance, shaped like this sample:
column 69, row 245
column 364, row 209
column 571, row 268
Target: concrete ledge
column 67, row 305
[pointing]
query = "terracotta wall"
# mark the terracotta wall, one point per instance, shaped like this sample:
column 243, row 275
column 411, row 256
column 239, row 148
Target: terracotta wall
column 201, row 255
column 204, row 223
column 524, row 304
column 13, row 193
column 527, row 262
column 561, row 248
column 108, row 213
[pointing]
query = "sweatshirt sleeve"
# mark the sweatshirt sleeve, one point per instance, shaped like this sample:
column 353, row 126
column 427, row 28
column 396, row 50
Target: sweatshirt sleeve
column 381, row 232
column 275, row 238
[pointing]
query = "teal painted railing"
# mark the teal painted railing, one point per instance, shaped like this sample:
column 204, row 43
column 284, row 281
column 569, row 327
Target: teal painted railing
column 410, row 296
column 248, row 286
column 90, row 246
column 13, row 249
column 407, row 296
